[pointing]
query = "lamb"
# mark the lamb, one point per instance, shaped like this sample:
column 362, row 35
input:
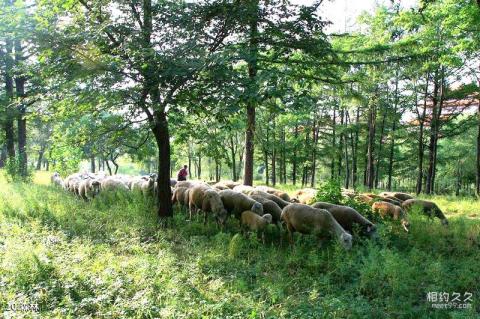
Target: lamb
column 305, row 196
column 269, row 207
column 255, row 222
column 147, row 187
column 428, row 208
column 56, row 179
column 280, row 202
column 308, row 220
column 388, row 209
column 274, row 191
column 112, row 183
column 245, row 189
column 89, row 188
column 236, row 203
column 347, row 217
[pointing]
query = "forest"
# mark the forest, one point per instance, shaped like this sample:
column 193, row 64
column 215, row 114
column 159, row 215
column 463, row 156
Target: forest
column 102, row 102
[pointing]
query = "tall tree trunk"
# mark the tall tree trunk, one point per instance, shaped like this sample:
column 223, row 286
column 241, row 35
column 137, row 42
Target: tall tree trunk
column 199, row 172
column 274, row 154
column 477, row 186
column 334, row 128
column 252, row 101
column 265, row 161
column 421, row 119
column 355, row 150
column 234, row 160
column 432, row 147
column 347, row 157
column 284, row 157
column 314, row 149
column 380, row 148
column 9, row 117
column 3, row 156
column 394, row 128
column 41, row 152
column 371, row 143
column 92, row 164
column 294, row 164
column 21, row 119
column 340, row 145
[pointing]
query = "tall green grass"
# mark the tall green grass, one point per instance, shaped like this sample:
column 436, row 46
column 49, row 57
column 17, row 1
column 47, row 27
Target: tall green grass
column 109, row 259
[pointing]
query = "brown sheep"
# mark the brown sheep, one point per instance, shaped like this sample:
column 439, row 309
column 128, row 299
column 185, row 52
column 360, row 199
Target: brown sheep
column 250, row 220
column 273, row 191
column 245, row 189
column 179, row 196
column 347, row 217
column 236, row 203
column 398, row 195
column 269, row 207
column 212, row 203
column 305, row 196
column 388, row 209
column 428, row 208
column 227, row 184
column 195, row 197
column 280, row 202
column 394, row 201
column 308, row 220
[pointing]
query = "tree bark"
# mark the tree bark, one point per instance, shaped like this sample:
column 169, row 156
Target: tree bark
column 355, row 150
column 380, row 148
column 334, row 124
column 371, row 143
column 394, row 128
column 9, row 116
column 274, row 154
column 92, row 164
column 294, row 160
column 314, row 149
column 41, row 152
column 477, row 188
column 3, row 156
column 421, row 119
column 21, row 110
column 233, row 154
column 252, row 101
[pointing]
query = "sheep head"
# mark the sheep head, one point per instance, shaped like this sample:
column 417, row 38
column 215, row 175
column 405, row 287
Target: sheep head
column 267, row 218
column 257, row 208
column 346, row 241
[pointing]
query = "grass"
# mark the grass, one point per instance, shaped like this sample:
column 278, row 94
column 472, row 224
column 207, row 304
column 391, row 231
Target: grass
column 109, row 259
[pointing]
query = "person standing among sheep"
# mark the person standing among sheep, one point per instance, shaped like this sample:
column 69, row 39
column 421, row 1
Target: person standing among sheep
column 183, row 173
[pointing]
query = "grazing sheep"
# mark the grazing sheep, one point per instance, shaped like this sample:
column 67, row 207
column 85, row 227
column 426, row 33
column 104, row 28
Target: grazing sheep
column 89, row 188
column 388, row 209
column 189, row 183
column 147, row 187
column 236, row 203
column 308, row 220
column 397, row 195
column 112, row 183
column 347, row 217
column 394, row 201
column 280, row 202
column 228, row 184
column 269, row 207
column 179, row 196
column 245, row 189
column 220, row 187
column 70, row 179
column 250, row 220
column 56, row 179
column 195, row 198
column 428, row 208
column 273, row 191
column 305, row 196
column 365, row 199
column 212, row 203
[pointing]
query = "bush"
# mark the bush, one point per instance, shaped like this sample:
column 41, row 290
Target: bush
column 330, row 192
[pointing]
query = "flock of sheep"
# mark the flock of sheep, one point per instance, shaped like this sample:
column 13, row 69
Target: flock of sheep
column 257, row 207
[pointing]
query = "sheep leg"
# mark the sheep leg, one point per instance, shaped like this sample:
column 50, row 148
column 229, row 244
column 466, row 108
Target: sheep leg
column 290, row 234
column 204, row 218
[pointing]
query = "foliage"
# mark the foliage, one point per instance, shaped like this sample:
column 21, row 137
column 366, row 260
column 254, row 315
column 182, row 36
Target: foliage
column 329, row 192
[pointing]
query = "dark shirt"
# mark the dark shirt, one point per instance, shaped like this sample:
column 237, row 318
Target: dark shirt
column 182, row 174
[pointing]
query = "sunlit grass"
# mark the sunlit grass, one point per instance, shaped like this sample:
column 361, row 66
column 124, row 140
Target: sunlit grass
column 109, row 259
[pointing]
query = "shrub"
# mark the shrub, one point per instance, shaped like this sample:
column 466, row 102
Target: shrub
column 330, row 192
